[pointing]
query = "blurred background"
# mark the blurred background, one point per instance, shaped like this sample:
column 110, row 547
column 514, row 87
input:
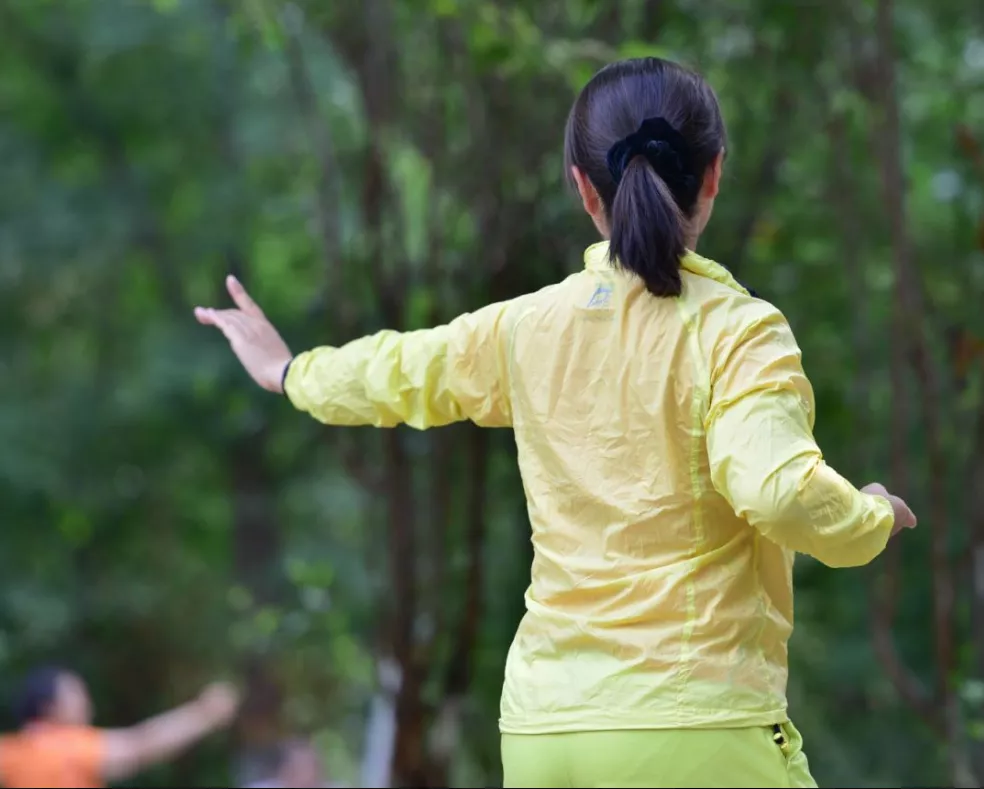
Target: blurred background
column 363, row 164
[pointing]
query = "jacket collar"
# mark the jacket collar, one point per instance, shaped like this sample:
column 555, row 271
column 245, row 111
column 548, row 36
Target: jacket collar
column 596, row 259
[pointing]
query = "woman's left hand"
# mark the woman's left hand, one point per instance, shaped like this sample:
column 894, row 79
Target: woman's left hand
column 259, row 346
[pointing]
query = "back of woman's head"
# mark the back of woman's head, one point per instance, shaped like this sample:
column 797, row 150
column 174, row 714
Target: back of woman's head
column 644, row 132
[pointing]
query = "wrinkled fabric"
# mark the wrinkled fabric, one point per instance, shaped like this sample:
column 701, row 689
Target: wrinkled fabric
column 670, row 472
column 736, row 758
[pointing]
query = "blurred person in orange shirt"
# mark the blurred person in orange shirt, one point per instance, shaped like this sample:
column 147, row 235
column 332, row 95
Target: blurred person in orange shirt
column 57, row 745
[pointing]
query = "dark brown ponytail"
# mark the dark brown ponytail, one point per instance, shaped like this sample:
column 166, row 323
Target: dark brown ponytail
column 644, row 133
column 647, row 230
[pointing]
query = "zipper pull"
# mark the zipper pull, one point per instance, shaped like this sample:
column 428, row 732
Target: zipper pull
column 779, row 738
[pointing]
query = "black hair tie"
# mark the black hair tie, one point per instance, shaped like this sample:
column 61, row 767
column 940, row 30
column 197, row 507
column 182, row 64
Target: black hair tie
column 667, row 153
column 283, row 376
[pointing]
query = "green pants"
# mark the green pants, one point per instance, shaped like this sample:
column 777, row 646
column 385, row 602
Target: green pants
column 699, row 758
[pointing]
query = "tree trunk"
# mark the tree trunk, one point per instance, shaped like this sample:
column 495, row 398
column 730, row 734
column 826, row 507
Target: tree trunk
column 257, row 551
column 911, row 347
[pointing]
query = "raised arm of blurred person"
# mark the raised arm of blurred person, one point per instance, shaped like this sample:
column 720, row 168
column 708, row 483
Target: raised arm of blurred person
column 126, row 751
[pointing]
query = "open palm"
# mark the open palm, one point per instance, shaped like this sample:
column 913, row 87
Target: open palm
column 254, row 340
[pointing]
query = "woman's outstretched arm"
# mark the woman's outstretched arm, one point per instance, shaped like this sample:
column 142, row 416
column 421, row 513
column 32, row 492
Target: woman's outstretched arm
column 764, row 459
column 423, row 378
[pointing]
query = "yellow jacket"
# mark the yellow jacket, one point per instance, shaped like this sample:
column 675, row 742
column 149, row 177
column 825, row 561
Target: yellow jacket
column 667, row 453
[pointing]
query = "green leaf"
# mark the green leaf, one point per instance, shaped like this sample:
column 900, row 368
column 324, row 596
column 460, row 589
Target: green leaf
column 75, row 526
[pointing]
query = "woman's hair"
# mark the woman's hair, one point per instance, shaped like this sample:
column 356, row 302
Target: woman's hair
column 644, row 132
column 36, row 694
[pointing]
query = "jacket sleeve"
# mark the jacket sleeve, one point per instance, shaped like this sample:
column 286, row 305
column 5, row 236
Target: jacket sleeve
column 764, row 459
column 423, row 378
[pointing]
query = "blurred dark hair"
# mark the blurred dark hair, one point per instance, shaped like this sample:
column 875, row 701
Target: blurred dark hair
column 36, row 694
column 647, row 218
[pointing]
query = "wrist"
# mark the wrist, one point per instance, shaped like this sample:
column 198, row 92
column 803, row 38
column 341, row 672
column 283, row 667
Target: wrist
column 283, row 375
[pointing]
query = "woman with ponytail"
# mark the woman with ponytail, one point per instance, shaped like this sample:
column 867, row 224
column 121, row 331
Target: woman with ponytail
column 664, row 431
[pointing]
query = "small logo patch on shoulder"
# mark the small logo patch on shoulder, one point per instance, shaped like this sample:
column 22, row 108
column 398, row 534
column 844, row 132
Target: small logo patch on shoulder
column 601, row 298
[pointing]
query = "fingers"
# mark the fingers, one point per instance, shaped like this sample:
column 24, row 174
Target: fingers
column 232, row 323
column 875, row 489
column 241, row 298
column 912, row 521
column 211, row 317
column 905, row 518
column 204, row 316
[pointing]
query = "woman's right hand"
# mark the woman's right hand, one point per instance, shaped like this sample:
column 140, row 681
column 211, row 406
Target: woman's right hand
column 904, row 517
column 256, row 342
